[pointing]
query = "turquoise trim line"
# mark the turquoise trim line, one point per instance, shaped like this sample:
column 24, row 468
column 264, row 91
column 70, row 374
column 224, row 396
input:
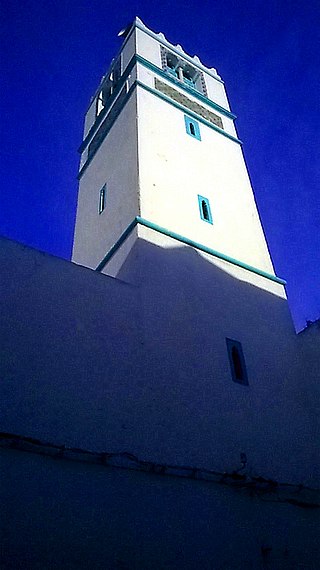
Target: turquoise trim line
column 172, row 48
column 111, row 100
column 181, row 85
column 138, row 59
column 206, row 249
column 186, row 110
column 125, row 100
column 187, row 241
column 116, row 246
column 164, row 98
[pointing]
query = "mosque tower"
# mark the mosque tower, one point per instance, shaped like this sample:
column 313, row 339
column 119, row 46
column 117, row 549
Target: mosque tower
column 161, row 159
column 165, row 203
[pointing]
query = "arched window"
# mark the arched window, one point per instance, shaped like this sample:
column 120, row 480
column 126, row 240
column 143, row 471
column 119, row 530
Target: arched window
column 192, row 127
column 205, row 212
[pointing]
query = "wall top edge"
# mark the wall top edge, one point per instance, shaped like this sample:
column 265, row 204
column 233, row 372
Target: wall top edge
column 161, row 38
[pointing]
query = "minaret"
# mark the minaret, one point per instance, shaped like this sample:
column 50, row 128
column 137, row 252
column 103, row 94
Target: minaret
column 161, row 160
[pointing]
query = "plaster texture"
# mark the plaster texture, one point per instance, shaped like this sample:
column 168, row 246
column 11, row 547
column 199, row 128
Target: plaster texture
column 154, row 168
column 76, row 516
column 177, row 167
column 135, row 359
column 115, row 164
column 140, row 363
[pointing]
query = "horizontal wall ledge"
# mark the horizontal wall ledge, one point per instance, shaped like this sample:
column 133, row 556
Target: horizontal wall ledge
column 186, row 241
column 138, row 59
column 187, row 110
column 184, row 87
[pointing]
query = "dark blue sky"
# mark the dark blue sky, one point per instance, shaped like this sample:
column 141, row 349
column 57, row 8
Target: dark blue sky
column 53, row 56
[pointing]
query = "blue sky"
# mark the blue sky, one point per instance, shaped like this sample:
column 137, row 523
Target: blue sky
column 54, row 54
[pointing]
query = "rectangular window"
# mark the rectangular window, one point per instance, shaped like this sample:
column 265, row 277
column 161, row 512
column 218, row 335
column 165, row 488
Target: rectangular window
column 237, row 362
column 205, row 210
column 192, row 127
column 102, row 199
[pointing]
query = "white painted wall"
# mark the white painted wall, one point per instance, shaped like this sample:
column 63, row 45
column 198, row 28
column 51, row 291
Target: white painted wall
column 90, row 117
column 114, row 164
column 126, row 53
column 175, row 167
column 154, row 168
column 149, row 48
column 147, row 77
column 59, row 514
column 140, row 364
column 128, row 50
column 99, row 363
column 235, row 271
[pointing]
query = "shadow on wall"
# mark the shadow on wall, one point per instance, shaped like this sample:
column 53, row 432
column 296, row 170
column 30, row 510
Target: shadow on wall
column 99, row 363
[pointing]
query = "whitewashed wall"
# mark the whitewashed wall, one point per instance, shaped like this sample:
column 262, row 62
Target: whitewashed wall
column 58, row 514
column 175, row 167
column 148, row 46
column 114, row 164
column 140, row 363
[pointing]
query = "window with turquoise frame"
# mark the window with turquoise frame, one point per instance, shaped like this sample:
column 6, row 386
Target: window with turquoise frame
column 204, row 208
column 237, row 362
column 181, row 70
column 102, row 198
column 192, row 127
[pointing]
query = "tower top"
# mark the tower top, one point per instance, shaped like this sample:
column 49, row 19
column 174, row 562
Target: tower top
column 161, row 150
column 160, row 37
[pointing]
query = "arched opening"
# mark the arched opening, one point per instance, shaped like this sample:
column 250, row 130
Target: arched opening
column 205, row 211
column 192, row 129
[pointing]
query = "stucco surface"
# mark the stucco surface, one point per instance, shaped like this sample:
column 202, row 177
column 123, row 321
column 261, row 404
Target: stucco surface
column 58, row 514
column 115, row 164
column 140, row 363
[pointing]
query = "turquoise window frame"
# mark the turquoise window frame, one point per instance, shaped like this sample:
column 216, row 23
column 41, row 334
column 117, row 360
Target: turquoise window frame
column 172, row 71
column 189, row 82
column 192, row 127
column 235, row 349
column 102, row 198
column 202, row 199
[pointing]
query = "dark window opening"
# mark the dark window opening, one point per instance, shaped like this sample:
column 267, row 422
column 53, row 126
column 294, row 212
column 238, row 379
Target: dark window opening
column 237, row 362
column 205, row 210
column 102, row 199
column 192, row 127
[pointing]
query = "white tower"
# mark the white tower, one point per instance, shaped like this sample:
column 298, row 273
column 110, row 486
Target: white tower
column 161, row 161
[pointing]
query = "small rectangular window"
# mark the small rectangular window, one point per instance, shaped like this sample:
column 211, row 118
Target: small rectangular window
column 205, row 210
column 237, row 362
column 102, row 199
column 192, row 127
